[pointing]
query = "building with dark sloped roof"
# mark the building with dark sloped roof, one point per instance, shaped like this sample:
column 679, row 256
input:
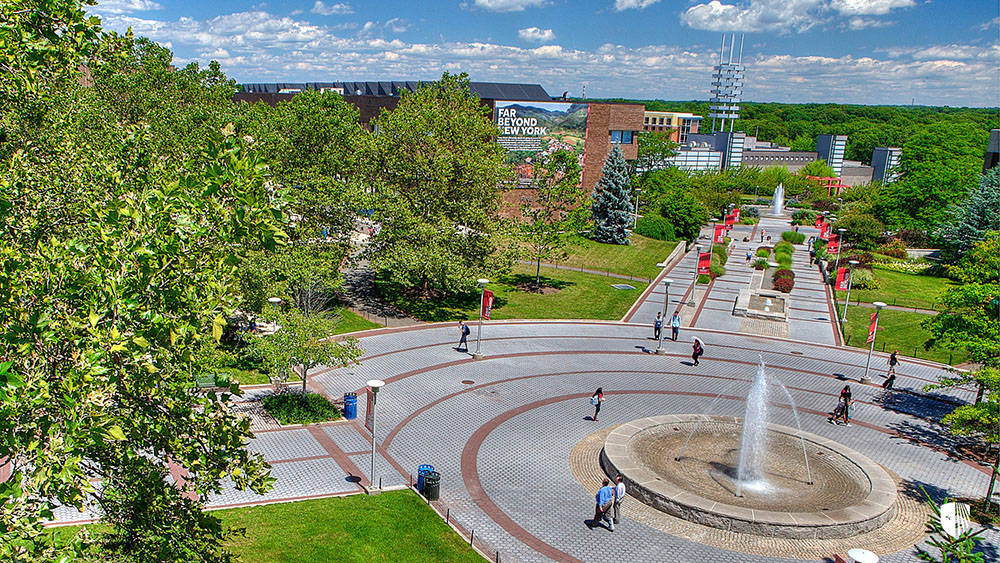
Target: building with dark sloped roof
column 485, row 90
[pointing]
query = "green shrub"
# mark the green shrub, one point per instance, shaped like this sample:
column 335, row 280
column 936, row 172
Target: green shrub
column 793, row 237
column 783, row 273
column 720, row 251
column 895, row 248
column 760, row 263
column 704, row 279
column 655, row 227
column 784, row 246
column 905, row 267
column 749, row 215
column 716, row 267
column 864, row 279
column 292, row 408
column 783, row 285
column 763, row 252
column 862, row 230
column 804, row 217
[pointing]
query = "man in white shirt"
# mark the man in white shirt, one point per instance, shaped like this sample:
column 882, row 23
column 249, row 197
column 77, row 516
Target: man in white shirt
column 619, row 496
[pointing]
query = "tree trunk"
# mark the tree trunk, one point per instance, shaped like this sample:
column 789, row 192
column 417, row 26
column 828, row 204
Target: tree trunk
column 303, row 373
column 980, row 392
column 538, row 273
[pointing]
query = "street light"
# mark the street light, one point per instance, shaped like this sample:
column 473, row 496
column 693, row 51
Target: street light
column 850, row 281
column 374, row 385
column 479, row 333
column 840, row 205
column 840, row 244
column 865, row 378
column 666, row 299
column 635, row 217
column 697, row 259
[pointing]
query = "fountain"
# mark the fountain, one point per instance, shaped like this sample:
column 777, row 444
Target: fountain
column 778, row 201
column 751, row 475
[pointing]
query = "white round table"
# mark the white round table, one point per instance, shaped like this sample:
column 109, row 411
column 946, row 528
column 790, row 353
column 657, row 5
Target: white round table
column 862, row 555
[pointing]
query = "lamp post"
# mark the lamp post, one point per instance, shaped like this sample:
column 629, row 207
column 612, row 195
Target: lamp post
column 850, row 281
column 840, row 205
column 374, row 385
column 694, row 285
column 666, row 300
column 635, row 216
column 479, row 332
column 871, row 348
column 840, row 244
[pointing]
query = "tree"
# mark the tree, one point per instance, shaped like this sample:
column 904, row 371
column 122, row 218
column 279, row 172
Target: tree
column 817, row 168
column 973, row 217
column 959, row 549
column 969, row 316
column 553, row 215
column 655, row 151
column 612, row 201
column 437, row 171
column 862, row 231
column 302, row 341
column 674, row 202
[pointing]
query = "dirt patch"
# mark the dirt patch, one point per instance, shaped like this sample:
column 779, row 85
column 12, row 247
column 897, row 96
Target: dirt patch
column 544, row 289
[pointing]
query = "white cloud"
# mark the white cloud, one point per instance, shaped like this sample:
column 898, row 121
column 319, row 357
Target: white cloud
column 782, row 16
column 622, row 5
column 536, row 34
column 397, row 25
column 126, row 6
column 869, row 7
column 991, row 23
column 859, row 22
column 331, row 9
column 257, row 46
column 507, row 5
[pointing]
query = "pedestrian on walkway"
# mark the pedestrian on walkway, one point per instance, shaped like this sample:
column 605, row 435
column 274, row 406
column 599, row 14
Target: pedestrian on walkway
column 887, row 385
column 843, row 407
column 749, row 257
column 619, row 496
column 596, row 399
column 893, row 362
column 604, row 499
column 697, row 350
column 463, row 342
column 657, row 326
column 762, row 233
column 675, row 325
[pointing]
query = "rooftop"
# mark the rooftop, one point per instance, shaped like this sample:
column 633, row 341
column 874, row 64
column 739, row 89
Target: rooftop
column 486, row 90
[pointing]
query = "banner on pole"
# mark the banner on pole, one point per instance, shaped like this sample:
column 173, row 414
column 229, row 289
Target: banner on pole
column 833, row 244
column 704, row 262
column 730, row 220
column 872, row 328
column 720, row 234
column 487, row 305
column 823, row 227
column 819, row 220
column 843, row 278
column 736, row 214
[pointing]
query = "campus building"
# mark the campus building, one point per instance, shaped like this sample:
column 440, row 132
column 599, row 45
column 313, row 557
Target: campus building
column 885, row 164
column 532, row 123
column 831, row 148
column 679, row 125
column 992, row 151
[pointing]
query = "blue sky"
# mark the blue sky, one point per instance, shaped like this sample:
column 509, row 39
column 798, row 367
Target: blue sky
column 933, row 52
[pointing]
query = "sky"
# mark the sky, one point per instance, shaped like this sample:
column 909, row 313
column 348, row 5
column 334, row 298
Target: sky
column 928, row 52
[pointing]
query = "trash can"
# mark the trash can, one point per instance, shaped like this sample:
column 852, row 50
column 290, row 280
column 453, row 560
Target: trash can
column 422, row 470
column 350, row 406
column 432, row 485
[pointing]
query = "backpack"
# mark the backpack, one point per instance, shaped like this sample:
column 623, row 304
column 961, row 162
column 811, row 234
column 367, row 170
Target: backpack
column 465, row 330
column 595, row 400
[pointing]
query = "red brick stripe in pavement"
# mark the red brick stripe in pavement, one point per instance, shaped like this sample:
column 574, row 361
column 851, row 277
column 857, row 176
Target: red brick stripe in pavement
column 338, row 455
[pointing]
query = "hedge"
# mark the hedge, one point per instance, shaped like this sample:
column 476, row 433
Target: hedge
column 655, row 227
column 793, row 237
column 783, row 285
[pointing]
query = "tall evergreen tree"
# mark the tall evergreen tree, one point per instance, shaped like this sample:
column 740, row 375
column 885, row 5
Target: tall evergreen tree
column 612, row 201
column 973, row 217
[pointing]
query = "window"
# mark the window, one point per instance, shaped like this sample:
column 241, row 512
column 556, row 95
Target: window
column 622, row 137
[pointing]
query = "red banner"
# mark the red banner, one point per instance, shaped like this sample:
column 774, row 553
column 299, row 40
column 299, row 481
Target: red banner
column 736, row 214
column 819, row 220
column 872, row 328
column 704, row 262
column 720, row 234
column 833, row 244
column 822, row 230
column 730, row 220
column 487, row 305
column 843, row 278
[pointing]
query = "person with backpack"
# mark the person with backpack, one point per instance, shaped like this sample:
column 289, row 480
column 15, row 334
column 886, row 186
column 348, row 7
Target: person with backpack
column 463, row 342
column 675, row 325
column 697, row 350
column 893, row 362
column 657, row 326
column 843, row 407
column 596, row 399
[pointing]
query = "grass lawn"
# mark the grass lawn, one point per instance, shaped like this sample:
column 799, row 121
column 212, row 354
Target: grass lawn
column 897, row 330
column 572, row 295
column 353, row 322
column 899, row 288
column 638, row 259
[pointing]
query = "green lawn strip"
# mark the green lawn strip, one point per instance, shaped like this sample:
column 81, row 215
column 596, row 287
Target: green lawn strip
column 897, row 330
column 392, row 526
column 572, row 295
column 353, row 322
column 902, row 289
column 638, row 259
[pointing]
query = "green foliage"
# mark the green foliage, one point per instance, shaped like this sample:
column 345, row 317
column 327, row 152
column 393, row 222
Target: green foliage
column 292, row 408
column 704, row 279
column 763, row 252
column 304, row 273
column 612, row 201
column 749, row 215
column 436, row 172
column 301, row 342
column 971, row 218
column 804, row 217
column 793, row 237
column 760, row 263
column 817, row 168
column 862, row 231
column 950, row 549
column 655, row 227
column 655, row 150
column 864, row 279
column 969, row 311
column 552, row 217
column 674, row 203
column 895, row 248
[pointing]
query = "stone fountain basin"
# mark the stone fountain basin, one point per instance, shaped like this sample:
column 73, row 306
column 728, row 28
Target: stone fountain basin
column 851, row 494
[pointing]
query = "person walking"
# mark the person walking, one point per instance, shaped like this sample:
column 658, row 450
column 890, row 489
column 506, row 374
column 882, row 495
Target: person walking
column 697, row 350
column 749, row 257
column 596, row 399
column 657, row 326
column 675, row 325
column 887, row 385
column 463, row 341
column 604, row 499
column 762, row 233
column 619, row 496
column 893, row 362
column 843, row 407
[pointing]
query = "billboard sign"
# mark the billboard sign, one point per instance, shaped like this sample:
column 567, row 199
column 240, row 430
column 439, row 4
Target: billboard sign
column 532, row 130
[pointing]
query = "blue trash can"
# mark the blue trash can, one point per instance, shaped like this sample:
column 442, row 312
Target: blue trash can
column 350, row 406
column 422, row 471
